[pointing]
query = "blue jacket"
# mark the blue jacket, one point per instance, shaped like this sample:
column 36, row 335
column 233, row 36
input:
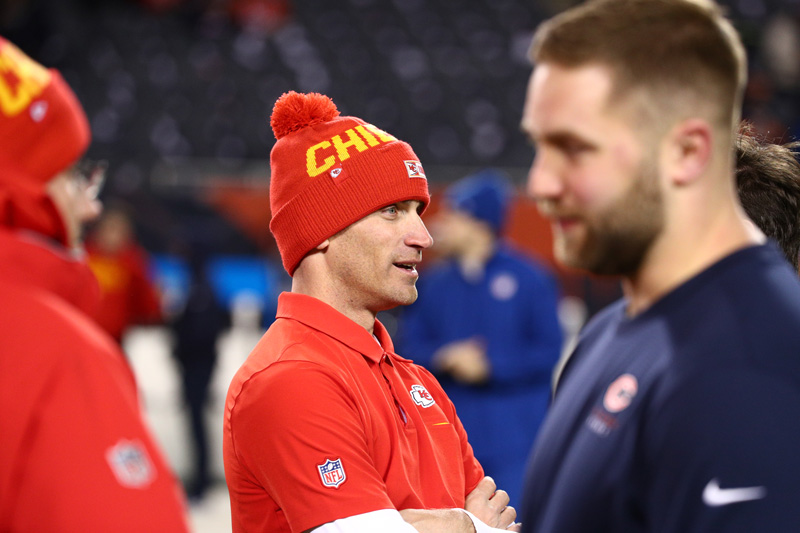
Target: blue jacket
column 512, row 309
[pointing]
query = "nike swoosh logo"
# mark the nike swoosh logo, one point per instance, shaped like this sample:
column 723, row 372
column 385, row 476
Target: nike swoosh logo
column 714, row 496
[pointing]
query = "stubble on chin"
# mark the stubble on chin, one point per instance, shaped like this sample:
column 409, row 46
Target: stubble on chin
column 409, row 297
column 619, row 240
column 616, row 241
column 398, row 298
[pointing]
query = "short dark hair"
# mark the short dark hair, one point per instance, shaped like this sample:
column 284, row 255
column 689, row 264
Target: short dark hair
column 768, row 180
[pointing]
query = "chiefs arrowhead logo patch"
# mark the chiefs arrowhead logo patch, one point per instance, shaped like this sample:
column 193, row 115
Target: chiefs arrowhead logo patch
column 421, row 396
column 414, row 169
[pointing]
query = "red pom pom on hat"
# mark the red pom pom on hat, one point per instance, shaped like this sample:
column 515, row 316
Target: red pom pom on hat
column 294, row 111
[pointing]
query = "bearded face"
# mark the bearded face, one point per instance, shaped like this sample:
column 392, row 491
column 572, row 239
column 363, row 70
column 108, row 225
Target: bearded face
column 614, row 239
column 595, row 175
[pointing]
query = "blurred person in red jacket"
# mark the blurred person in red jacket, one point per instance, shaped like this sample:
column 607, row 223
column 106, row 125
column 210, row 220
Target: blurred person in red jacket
column 74, row 452
column 127, row 294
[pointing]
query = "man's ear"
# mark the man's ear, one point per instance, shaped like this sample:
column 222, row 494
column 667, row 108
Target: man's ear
column 688, row 150
column 321, row 247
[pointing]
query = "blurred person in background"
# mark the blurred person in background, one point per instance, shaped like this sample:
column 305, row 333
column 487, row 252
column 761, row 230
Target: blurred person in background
column 486, row 324
column 75, row 454
column 196, row 329
column 677, row 410
column 128, row 296
column 326, row 427
column 768, row 180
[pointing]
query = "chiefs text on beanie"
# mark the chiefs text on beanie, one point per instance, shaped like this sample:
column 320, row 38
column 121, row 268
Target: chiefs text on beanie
column 329, row 171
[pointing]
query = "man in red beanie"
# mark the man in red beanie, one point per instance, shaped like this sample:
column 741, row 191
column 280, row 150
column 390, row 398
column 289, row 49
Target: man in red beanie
column 74, row 452
column 326, row 428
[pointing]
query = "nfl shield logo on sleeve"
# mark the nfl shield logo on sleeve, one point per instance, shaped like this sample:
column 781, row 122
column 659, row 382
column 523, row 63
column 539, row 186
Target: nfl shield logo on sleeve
column 332, row 473
column 130, row 463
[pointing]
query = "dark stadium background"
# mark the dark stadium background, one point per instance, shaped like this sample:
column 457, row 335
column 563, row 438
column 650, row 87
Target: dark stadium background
column 179, row 93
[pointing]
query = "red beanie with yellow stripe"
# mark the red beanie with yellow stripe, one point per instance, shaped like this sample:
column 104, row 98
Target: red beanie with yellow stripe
column 329, row 171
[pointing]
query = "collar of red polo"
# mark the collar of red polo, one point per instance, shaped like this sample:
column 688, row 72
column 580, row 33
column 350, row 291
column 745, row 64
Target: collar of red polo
column 322, row 317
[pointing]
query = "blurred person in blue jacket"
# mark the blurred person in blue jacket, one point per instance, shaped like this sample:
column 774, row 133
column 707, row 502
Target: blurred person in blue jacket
column 486, row 324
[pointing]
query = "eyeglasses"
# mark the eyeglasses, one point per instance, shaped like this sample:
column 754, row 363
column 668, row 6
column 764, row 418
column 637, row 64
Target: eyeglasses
column 90, row 176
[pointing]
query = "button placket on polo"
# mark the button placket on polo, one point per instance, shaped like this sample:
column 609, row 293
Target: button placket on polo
column 398, row 404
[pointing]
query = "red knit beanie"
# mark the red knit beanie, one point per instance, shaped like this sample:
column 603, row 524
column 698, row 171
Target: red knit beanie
column 329, row 171
column 43, row 130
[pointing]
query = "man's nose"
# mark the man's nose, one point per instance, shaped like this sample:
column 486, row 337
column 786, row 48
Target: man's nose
column 543, row 178
column 418, row 235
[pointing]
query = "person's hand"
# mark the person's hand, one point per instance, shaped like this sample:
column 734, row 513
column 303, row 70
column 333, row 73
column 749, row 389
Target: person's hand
column 465, row 360
column 491, row 505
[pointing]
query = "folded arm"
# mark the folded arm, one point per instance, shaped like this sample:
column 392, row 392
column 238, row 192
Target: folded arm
column 490, row 504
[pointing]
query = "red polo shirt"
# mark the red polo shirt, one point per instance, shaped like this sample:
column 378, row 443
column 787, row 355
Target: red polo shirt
column 322, row 423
